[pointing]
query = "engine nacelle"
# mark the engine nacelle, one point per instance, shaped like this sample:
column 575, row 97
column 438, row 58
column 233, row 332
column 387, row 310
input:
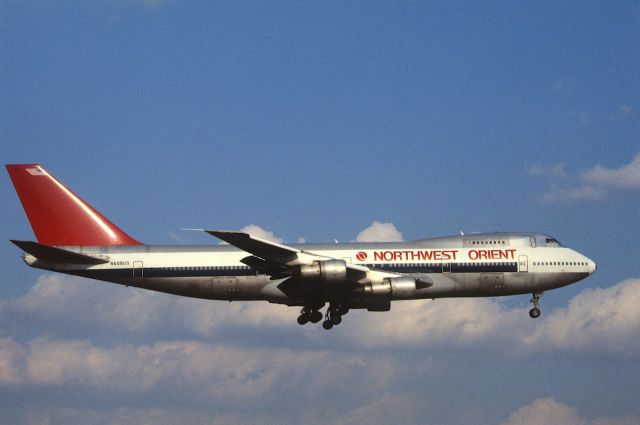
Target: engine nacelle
column 376, row 290
column 329, row 272
column 402, row 287
column 390, row 288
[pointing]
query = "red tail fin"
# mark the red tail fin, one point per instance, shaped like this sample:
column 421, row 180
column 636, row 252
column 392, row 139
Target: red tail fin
column 57, row 215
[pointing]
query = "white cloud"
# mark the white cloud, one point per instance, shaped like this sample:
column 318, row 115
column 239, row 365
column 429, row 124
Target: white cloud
column 208, row 371
column 226, row 378
column 81, row 302
column 594, row 184
column 384, row 409
column 255, row 230
column 380, row 232
column 548, row 411
column 442, row 322
column 581, row 193
column 10, row 354
column 143, row 416
column 387, row 409
column 56, row 363
column 626, row 177
column 599, row 320
column 596, row 320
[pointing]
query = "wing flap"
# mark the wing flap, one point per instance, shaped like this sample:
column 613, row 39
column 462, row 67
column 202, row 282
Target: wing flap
column 276, row 271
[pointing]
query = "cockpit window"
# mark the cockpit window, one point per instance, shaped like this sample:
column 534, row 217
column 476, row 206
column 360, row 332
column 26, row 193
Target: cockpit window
column 552, row 242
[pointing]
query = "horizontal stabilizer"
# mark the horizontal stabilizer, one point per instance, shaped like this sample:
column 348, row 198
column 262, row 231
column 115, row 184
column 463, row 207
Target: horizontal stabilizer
column 57, row 255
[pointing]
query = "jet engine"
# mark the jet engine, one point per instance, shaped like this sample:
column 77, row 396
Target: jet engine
column 395, row 287
column 328, row 272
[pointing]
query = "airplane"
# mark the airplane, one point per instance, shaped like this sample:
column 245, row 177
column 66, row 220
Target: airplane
column 75, row 239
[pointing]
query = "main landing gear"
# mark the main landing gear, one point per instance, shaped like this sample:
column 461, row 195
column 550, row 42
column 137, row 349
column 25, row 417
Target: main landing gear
column 309, row 315
column 534, row 313
column 334, row 315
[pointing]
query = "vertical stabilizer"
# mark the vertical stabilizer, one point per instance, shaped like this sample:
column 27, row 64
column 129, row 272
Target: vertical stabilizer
column 57, row 215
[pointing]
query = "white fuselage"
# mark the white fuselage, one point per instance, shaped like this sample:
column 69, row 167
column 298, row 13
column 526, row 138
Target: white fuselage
column 489, row 264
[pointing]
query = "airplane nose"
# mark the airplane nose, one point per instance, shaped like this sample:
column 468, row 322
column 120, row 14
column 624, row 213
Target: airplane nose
column 592, row 266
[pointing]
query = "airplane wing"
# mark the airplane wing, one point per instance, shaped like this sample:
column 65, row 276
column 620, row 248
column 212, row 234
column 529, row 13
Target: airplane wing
column 262, row 248
column 281, row 261
column 278, row 256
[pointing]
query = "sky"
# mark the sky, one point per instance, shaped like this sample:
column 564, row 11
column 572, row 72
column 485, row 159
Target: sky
column 320, row 121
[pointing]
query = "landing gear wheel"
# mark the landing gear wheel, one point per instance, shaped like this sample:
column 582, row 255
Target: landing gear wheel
column 334, row 315
column 343, row 309
column 327, row 324
column 315, row 317
column 534, row 313
column 303, row 319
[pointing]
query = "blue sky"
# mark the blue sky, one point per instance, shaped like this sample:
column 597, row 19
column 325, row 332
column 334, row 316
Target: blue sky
column 314, row 120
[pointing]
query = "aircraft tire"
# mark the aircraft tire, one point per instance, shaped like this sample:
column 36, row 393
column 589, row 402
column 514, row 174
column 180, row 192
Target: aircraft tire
column 534, row 313
column 316, row 316
column 303, row 319
column 327, row 324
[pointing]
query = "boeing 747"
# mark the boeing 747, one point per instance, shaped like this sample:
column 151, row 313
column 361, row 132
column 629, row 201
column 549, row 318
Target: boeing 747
column 74, row 238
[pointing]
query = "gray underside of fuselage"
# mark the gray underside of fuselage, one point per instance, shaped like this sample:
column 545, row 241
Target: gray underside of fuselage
column 261, row 287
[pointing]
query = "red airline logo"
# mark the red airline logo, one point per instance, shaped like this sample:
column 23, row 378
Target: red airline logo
column 439, row 255
column 416, row 255
column 361, row 256
column 492, row 254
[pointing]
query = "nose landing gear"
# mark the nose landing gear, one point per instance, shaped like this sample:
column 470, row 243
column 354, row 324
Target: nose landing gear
column 534, row 313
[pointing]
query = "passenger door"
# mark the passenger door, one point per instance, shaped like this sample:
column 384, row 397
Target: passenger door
column 137, row 269
column 523, row 263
